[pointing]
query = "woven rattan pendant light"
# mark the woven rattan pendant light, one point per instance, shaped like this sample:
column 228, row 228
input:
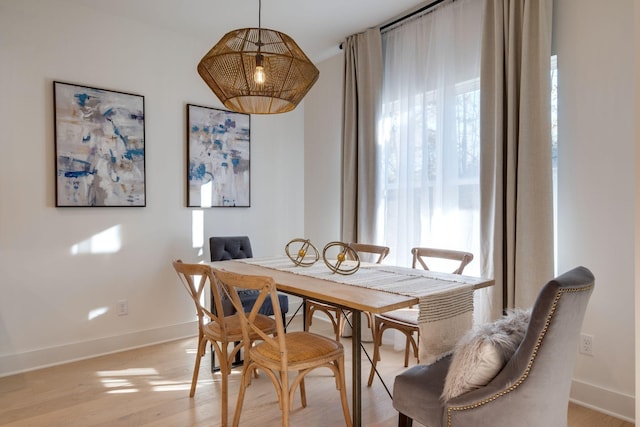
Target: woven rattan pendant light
column 232, row 70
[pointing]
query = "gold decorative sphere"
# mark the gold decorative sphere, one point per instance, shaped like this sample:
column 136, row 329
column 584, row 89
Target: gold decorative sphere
column 305, row 256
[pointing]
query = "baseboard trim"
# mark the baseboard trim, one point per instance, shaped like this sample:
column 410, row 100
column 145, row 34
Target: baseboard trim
column 42, row 358
column 609, row 402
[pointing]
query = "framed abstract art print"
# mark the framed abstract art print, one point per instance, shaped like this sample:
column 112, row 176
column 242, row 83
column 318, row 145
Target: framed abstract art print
column 218, row 157
column 99, row 147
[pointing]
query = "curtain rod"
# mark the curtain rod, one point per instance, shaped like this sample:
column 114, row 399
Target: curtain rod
column 424, row 8
column 411, row 14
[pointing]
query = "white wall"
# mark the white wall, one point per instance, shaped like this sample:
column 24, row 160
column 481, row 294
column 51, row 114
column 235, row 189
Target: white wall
column 323, row 154
column 48, row 294
column 596, row 183
column 597, row 187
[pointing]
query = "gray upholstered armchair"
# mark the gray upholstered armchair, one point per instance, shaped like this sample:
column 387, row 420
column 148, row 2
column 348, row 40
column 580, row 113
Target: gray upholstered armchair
column 532, row 389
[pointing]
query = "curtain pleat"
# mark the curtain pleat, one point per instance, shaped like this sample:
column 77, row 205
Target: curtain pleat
column 361, row 106
column 516, row 177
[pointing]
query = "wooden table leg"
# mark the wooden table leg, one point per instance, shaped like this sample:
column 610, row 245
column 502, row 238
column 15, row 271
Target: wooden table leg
column 357, row 368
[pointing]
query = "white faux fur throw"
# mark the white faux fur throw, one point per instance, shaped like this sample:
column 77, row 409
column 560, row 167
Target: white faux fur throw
column 482, row 353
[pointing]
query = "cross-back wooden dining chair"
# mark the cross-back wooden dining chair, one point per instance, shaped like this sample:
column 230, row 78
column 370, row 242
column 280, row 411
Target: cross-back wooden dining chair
column 225, row 248
column 283, row 353
column 378, row 254
column 405, row 320
column 217, row 329
column 421, row 255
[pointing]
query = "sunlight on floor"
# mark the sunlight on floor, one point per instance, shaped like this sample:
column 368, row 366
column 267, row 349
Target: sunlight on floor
column 128, row 372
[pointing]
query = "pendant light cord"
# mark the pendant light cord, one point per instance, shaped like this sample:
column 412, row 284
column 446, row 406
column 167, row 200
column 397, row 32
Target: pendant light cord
column 259, row 24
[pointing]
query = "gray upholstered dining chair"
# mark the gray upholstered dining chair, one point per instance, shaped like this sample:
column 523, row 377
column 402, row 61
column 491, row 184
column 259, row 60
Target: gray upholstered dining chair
column 223, row 248
column 530, row 389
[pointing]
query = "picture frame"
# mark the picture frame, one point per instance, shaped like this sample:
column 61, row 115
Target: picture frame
column 219, row 158
column 99, row 147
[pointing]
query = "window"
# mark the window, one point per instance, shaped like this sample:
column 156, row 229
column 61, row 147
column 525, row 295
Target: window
column 429, row 153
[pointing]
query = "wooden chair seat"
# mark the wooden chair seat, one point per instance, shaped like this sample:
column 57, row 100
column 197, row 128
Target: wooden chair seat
column 233, row 329
column 302, row 347
column 406, row 315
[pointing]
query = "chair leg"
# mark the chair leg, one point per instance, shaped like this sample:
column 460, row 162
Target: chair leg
column 404, row 421
column 377, row 342
column 285, row 397
column 303, row 394
column 339, row 323
column 202, row 345
column 224, row 371
column 213, row 358
column 407, row 346
column 308, row 314
column 244, row 382
column 343, row 392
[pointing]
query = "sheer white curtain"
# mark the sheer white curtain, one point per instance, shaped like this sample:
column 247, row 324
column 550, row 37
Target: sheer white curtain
column 429, row 157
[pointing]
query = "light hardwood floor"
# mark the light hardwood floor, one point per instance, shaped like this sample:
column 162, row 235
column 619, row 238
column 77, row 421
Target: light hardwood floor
column 150, row 387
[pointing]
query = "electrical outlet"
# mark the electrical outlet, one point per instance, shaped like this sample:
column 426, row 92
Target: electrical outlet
column 586, row 344
column 123, row 307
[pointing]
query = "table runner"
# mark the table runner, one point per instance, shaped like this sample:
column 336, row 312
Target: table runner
column 445, row 309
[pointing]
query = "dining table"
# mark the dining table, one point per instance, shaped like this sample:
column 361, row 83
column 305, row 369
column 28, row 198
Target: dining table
column 351, row 294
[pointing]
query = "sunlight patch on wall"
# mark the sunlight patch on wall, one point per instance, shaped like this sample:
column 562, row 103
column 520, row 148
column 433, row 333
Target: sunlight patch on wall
column 106, row 242
column 206, row 194
column 97, row 312
column 197, row 230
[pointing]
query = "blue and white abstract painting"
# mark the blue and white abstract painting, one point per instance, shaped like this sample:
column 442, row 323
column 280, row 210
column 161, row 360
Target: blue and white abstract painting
column 218, row 157
column 100, row 153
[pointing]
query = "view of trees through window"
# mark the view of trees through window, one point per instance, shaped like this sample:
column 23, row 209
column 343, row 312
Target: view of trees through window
column 443, row 179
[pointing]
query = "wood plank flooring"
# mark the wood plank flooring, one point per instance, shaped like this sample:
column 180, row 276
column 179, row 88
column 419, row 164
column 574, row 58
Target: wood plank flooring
column 150, row 387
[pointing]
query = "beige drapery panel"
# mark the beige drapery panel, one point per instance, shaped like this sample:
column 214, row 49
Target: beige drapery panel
column 361, row 106
column 516, row 176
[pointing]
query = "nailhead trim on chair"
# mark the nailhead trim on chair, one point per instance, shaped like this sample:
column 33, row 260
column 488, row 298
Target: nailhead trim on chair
column 524, row 376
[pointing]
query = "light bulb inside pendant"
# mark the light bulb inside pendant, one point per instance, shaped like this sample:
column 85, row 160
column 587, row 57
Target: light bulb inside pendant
column 258, row 75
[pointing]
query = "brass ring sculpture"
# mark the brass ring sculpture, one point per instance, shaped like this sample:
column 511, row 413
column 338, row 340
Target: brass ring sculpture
column 302, row 255
column 346, row 252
